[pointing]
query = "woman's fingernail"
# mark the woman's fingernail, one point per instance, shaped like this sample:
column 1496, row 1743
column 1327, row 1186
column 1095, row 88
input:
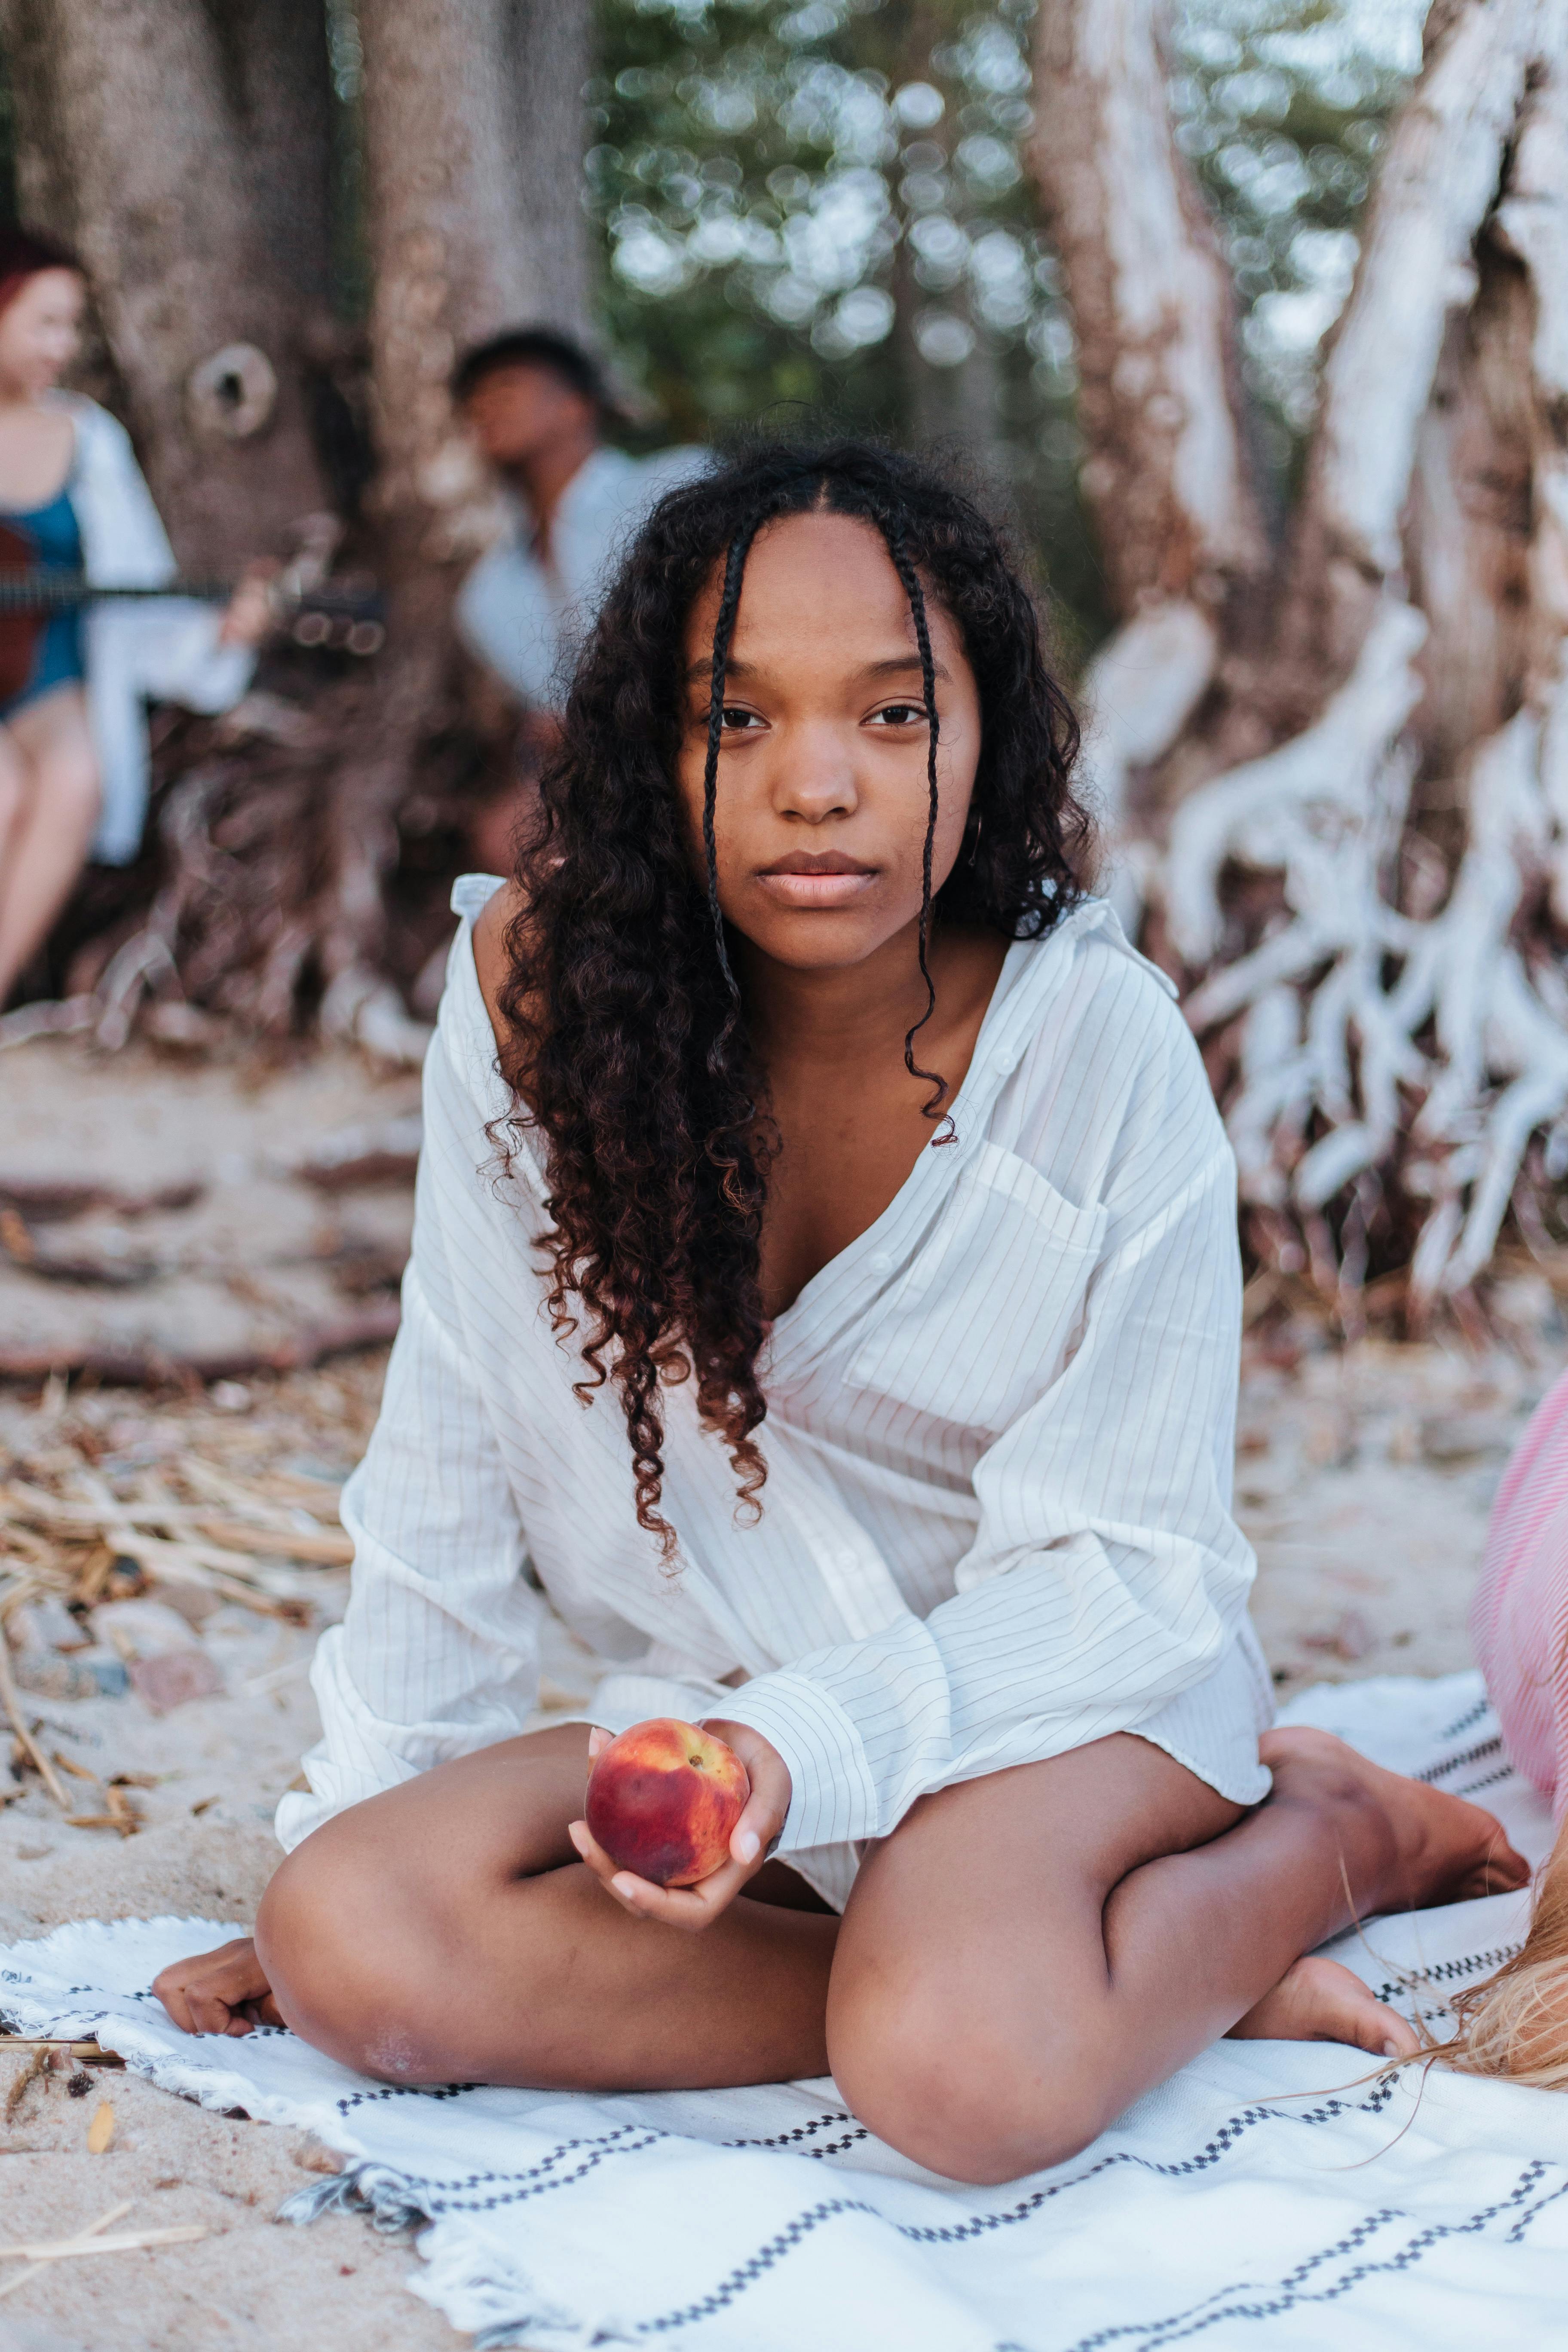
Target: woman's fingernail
column 625, row 1884
column 1391, row 2049
column 748, row 1845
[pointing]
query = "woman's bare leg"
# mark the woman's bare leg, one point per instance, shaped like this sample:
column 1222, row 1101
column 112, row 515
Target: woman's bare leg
column 1023, row 1956
column 47, row 846
column 445, row 1931
column 13, row 795
column 1101, row 1921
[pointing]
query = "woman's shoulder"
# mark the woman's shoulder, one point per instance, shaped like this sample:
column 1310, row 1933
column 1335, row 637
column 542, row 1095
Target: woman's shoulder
column 96, row 429
column 1112, row 1077
column 491, row 918
column 1086, row 973
column 465, row 1067
column 484, row 1024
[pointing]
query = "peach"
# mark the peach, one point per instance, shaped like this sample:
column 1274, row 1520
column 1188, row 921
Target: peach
column 663, row 1800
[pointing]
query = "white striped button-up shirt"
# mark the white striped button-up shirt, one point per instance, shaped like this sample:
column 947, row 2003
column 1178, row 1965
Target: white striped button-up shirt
column 997, row 1523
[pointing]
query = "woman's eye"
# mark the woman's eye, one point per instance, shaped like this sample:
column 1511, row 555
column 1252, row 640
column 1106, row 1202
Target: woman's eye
column 735, row 721
column 900, row 714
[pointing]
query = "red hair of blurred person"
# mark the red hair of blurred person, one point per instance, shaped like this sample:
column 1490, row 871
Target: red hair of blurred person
column 26, row 253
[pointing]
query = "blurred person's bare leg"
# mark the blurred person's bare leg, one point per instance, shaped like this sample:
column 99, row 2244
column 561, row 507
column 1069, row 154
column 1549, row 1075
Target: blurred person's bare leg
column 13, row 798
column 50, row 748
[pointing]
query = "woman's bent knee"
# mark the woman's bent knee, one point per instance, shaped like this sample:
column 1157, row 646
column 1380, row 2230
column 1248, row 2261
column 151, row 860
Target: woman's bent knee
column 963, row 2100
column 350, row 1968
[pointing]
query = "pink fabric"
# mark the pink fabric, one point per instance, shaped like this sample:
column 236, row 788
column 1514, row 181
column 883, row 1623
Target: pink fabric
column 1518, row 1620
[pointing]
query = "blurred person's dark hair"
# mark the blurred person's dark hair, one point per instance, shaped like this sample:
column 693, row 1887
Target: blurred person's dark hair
column 536, row 347
column 24, row 252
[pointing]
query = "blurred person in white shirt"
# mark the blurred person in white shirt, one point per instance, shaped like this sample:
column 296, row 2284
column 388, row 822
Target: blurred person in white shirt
column 538, row 408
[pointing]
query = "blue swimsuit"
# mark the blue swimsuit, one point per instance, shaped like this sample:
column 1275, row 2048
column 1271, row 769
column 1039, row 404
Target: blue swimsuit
column 54, row 539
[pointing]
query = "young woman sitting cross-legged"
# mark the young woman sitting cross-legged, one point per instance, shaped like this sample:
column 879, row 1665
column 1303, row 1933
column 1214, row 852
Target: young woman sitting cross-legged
column 825, row 1293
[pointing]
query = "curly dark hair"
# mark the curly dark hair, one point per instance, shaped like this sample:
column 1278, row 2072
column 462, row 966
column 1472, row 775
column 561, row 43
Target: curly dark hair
column 628, row 1050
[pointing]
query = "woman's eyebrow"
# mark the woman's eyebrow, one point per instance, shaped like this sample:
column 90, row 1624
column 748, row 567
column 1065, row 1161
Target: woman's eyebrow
column 899, row 666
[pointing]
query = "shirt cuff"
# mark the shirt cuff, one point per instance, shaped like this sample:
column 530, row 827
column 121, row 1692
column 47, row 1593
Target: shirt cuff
column 833, row 1795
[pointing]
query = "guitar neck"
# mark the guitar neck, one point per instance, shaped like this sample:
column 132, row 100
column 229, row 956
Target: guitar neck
column 39, row 592
column 58, row 592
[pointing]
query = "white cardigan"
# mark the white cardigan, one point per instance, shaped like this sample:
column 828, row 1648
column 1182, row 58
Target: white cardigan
column 1000, row 1433
column 165, row 650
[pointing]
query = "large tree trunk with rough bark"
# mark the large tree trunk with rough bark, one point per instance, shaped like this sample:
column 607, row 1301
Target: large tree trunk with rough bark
column 276, row 851
column 180, row 147
column 473, row 141
column 1337, row 772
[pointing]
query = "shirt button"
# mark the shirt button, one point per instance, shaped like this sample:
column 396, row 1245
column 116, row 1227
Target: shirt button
column 879, row 1262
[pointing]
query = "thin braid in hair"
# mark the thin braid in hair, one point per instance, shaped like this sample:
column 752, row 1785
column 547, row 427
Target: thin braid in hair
column 723, row 630
column 892, row 530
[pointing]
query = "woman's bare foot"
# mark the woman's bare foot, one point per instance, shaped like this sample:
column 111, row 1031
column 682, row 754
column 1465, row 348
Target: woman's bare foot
column 1318, row 2000
column 1405, row 1846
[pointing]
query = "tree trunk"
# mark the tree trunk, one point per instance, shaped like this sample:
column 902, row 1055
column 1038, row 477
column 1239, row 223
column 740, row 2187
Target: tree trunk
column 1437, row 187
column 276, row 851
column 1166, row 476
column 200, row 271
column 1371, row 901
column 473, row 144
column 1153, row 306
column 473, row 163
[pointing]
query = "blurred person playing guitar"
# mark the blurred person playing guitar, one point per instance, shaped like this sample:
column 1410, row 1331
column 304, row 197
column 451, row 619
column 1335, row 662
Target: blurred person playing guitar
column 74, row 682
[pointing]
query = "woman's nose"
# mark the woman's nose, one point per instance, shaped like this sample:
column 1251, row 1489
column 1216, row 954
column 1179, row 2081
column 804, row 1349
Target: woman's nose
column 815, row 773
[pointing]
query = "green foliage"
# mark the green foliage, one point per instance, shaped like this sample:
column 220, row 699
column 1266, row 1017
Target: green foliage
column 822, row 210
column 824, row 207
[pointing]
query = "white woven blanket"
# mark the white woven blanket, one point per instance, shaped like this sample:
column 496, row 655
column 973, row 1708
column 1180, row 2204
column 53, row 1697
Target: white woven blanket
column 1271, row 2196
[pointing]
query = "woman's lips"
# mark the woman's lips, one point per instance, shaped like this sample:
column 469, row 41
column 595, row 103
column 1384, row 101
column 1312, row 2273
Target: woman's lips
column 828, row 880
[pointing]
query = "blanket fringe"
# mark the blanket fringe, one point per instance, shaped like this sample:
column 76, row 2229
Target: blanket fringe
column 374, row 2189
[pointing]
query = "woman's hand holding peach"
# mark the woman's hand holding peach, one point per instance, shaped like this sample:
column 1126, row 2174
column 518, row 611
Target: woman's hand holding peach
column 695, row 1904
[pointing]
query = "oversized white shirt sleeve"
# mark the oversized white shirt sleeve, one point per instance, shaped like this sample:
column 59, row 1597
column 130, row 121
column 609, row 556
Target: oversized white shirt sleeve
column 1106, row 1578
column 438, row 1652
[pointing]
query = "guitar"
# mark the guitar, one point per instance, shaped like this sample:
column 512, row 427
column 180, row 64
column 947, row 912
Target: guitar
column 346, row 619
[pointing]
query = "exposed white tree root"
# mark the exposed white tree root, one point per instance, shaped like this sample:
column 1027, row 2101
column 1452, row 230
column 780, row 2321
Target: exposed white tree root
column 1391, row 1027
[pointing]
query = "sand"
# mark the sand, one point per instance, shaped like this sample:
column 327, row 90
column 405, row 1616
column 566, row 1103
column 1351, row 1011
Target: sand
column 1364, row 1477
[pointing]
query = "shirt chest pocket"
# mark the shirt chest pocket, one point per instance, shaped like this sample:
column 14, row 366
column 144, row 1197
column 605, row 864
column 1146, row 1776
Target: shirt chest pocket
column 977, row 1326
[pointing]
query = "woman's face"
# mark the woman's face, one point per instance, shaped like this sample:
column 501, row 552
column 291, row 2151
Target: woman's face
column 820, row 818
column 40, row 331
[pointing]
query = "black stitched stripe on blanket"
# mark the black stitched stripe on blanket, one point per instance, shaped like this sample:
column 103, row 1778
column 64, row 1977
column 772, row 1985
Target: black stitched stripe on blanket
column 802, row 2132
column 1492, row 1747
column 1287, row 2296
column 1228, row 2134
column 1446, row 1971
column 1477, row 1713
column 1260, row 2304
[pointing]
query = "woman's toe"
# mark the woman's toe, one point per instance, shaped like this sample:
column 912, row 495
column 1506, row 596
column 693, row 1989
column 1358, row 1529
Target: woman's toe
column 1319, row 2000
